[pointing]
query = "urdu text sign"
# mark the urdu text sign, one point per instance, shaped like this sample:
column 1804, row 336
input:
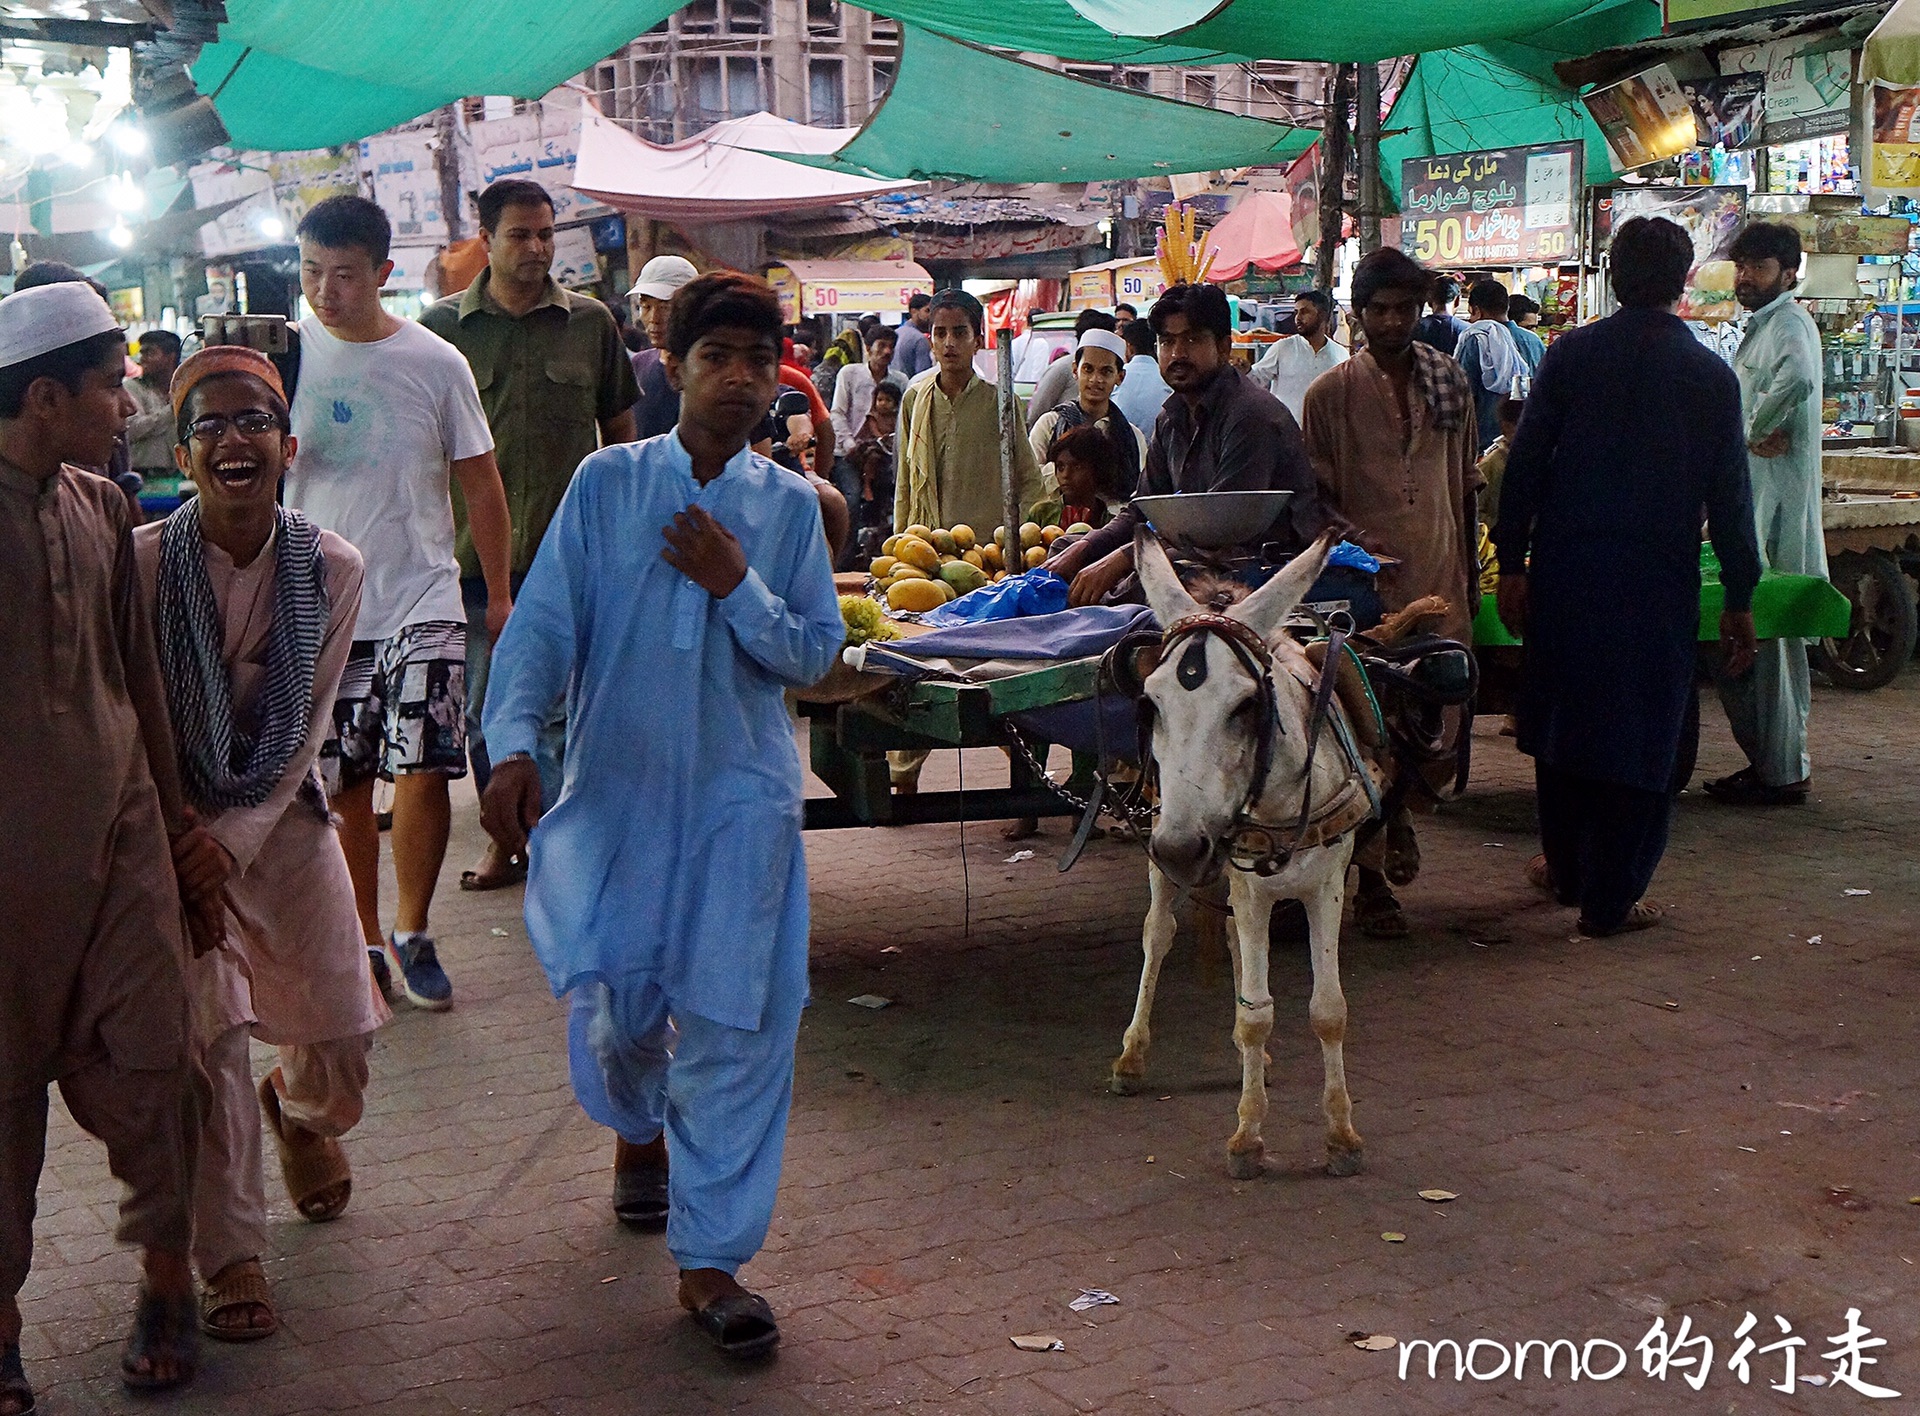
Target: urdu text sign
column 1505, row 207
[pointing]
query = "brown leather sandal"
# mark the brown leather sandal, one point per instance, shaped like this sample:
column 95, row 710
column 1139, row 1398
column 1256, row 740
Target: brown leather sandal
column 239, row 1286
column 318, row 1178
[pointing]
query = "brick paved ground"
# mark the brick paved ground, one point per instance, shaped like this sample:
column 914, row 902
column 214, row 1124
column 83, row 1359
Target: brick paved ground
column 1713, row 1118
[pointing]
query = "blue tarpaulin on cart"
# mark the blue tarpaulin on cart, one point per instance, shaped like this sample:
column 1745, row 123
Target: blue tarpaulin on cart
column 1067, row 634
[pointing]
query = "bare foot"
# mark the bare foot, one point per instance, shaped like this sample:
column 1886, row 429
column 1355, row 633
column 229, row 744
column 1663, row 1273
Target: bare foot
column 699, row 1287
column 494, row 870
column 168, row 1277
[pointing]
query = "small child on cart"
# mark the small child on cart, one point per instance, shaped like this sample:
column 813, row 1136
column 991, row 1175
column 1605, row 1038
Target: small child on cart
column 1088, row 474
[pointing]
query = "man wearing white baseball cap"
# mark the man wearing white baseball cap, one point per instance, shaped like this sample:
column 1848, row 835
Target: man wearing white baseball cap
column 100, row 851
column 659, row 406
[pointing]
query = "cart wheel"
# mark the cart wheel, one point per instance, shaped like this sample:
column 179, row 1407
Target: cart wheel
column 1880, row 636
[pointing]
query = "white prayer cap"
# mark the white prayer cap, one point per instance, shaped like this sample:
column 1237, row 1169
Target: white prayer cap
column 1103, row 339
column 49, row 317
column 662, row 276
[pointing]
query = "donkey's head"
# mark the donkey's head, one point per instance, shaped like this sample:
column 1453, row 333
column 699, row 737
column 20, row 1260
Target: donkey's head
column 1215, row 717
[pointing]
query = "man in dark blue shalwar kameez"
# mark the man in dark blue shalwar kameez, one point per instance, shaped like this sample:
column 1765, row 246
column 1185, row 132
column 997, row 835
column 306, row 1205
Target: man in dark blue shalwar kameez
column 1633, row 430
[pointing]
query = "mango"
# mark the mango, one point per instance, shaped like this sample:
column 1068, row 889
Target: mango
column 1050, row 534
column 944, row 542
column 903, row 571
column 915, row 551
column 1000, row 537
column 887, row 546
column 1036, row 555
column 1079, row 528
column 1029, row 535
column 923, row 532
column 991, row 559
column 974, row 558
column 964, row 538
column 882, row 567
column 962, row 576
column 916, row 595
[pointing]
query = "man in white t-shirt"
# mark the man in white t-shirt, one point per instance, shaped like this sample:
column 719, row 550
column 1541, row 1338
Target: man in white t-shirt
column 1291, row 364
column 388, row 416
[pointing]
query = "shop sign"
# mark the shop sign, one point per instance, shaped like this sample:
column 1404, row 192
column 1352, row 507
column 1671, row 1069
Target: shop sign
column 1693, row 14
column 1727, row 112
column 282, row 185
column 1895, row 118
column 1505, row 207
column 849, row 296
column 1711, row 217
column 540, row 145
column 406, row 184
column 1644, row 119
column 1090, row 289
column 1137, row 281
column 1808, row 95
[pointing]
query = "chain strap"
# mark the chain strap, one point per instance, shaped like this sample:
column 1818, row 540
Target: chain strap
column 1127, row 810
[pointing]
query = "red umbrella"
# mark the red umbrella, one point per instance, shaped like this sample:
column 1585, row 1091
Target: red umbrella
column 1258, row 232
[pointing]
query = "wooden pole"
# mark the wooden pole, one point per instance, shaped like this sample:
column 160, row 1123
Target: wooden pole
column 1333, row 171
column 1009, row 430
column 1367, row 150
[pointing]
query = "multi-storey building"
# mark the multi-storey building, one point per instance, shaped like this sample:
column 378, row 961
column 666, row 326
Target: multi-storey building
column 827, row 64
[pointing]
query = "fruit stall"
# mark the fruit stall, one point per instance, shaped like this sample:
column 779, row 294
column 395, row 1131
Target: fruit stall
column 856, row 717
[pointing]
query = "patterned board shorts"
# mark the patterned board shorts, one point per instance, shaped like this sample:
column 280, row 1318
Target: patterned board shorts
column 402, row 707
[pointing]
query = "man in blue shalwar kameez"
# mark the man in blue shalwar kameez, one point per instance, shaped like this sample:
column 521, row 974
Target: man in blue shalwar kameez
column 684, row 584
column 1632, row 431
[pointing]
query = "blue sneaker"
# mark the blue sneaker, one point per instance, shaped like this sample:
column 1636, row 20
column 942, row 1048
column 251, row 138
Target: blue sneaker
column 418, row 964
column 382, row 975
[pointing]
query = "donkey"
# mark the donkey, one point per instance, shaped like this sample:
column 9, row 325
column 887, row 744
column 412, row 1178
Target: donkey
column 1233, row 704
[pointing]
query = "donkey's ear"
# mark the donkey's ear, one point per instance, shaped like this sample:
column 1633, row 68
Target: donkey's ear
column 1267, row 608
column 1165, row 594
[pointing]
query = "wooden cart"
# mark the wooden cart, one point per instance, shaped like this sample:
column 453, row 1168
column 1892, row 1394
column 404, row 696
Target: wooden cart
column 1870, row 511
column 849, row 741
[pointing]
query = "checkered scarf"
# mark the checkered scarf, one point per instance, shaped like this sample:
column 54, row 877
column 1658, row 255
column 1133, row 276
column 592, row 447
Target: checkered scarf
column 1440, row 381
column 221, row 766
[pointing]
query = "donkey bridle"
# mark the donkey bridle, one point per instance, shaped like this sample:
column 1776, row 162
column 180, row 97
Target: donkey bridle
column 1278, row 843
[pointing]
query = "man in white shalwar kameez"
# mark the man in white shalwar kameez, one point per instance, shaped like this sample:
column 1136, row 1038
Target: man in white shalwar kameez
column 1778, row 364
column 683, row 586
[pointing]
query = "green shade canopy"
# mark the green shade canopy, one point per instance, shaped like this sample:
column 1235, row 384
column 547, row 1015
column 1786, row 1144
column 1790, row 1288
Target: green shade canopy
column 1214, row 31
column 959, row 112
column 1504, row 93
column 290, row 74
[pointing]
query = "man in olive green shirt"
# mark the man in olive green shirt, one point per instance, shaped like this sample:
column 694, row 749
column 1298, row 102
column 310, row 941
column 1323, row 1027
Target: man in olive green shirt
column 556, row 383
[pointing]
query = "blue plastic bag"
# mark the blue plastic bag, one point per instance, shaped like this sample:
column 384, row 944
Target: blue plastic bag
column 1351, row 556
column 1034, row 592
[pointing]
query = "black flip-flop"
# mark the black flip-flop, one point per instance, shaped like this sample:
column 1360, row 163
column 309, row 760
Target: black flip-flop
column 640, row 1198
column 162, row 1327
column 13, row 1379
column 515, row 873
column 740, row 1325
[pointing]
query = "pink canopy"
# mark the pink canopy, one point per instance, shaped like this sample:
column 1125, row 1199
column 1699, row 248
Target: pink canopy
column 716, row 176
column 1258, row 232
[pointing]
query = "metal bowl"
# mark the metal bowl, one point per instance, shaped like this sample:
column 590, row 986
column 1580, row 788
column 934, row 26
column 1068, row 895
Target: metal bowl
column 1213, row 520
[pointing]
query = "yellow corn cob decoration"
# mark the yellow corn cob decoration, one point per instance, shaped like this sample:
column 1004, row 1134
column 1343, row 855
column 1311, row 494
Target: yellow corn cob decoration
column 1183, row 260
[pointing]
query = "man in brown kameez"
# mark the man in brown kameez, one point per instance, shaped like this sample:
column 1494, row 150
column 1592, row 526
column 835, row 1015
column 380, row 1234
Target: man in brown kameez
column 1392, row 439
column 91, row 971
column 253, row 610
